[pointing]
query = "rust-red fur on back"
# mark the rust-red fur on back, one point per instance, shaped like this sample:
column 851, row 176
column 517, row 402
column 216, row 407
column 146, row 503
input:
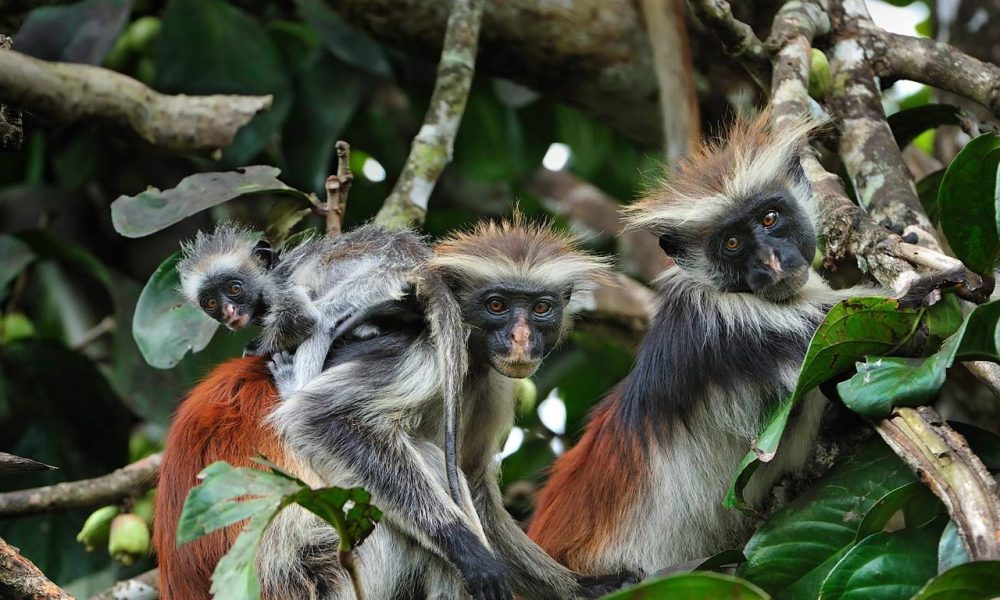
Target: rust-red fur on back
column 221, row 419
column 589, row 492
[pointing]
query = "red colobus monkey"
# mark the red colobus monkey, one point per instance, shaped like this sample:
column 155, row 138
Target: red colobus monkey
column 643, row 488
column 372, row 418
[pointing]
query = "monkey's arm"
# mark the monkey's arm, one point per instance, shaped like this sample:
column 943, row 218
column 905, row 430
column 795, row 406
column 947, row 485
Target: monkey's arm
column 290, row 319
column 353, row 444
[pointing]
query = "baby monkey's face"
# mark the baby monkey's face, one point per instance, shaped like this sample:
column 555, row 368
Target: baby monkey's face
column 231, row 299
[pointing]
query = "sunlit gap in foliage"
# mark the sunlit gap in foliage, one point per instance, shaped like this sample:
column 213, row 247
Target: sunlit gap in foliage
column 513, row 444
column 552, row 412
column 904, row 20
column 557, row 157
column 373, row 170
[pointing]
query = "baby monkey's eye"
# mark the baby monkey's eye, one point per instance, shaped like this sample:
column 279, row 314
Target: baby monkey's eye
column 235, row 288
column 496, row 305
column 770, row 218
column 542, row 307
column 210, row 303
column 733, row 243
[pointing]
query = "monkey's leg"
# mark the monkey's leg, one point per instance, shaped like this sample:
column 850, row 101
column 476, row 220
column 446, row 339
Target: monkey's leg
column 403, row 474
column 290, row 319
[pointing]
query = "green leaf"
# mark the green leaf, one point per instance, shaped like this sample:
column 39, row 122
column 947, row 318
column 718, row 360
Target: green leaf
column 222, row 500
column 165, row 325
column 79, row 33
column 791, row 554
column 928, row 190
column 342, row 40
column 852, row 329
column 908, row 124
column 886, row 382
column 15, row 255
column 885, row 566
column 699, row 585
column 896, row 500
column 213, row 47
column 972, row 581
column 329, row 93
column 153, row 210
column 967, row 201
column 951, row 550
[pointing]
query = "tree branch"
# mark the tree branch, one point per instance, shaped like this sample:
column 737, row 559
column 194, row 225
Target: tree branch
column 737, row 37
column 338, row 188
column 107, row 489
column 20, row 579
column 15, row 464
column 11, row 131
column 141, row 587
column 432, row 148
column 942, row 459
column 68, row 93
column 671, row 47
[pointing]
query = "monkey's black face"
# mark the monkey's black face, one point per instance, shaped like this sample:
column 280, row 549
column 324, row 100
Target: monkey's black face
column 765, row 248
column 513, row 328
column 231, row 300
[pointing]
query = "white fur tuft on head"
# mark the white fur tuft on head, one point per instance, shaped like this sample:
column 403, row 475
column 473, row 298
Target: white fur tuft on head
column 228, row 248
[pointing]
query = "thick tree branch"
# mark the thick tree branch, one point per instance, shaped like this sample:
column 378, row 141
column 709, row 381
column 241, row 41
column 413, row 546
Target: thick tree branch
column 11, row 131
column 68, row 93
column 935, row 64
column 943, row 460
column 432, row 148
column 668, row 37
column 129, row 480
column 21, row 580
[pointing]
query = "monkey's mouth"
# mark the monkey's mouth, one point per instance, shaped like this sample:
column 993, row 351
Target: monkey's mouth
column 515, row 369
column 238, row 322
column 787, row 286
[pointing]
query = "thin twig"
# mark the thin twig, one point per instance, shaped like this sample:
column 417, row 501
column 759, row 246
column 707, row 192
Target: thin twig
column 68, row 93
column 406, row 206
column 737, row 37
column 16, row 464
column 668, row 38
column 338, row 188
column 127, row 481
column 21, row 579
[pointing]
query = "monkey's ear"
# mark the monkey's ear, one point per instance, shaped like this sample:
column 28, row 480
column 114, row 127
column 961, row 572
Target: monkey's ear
column 670, row 244
column 265, row 254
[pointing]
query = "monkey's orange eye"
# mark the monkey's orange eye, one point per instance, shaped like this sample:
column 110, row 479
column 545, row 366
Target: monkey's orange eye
column 210, row 303
column 732, row 243
column 235, row 288
column 542, row 308
column 496, row 305
column 770, row 218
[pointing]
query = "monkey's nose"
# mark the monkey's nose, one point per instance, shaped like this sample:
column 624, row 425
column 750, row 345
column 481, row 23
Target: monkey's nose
column 520, row 335
column 772, row 262
column 229, row 311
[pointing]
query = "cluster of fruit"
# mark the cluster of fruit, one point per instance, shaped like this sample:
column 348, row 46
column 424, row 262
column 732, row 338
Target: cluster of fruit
column 125, row 533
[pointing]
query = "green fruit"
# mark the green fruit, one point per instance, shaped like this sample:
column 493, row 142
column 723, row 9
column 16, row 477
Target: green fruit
column 97, row 528
column 526, row 394
column 129, row 538
column 16, row 326
column 819, row 75
column 144, row 508
column 141, row 445
column 142, row 32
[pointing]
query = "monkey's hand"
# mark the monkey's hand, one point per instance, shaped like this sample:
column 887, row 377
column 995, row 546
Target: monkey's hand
column 282, row 367
column 485, row 576
column 595, row 586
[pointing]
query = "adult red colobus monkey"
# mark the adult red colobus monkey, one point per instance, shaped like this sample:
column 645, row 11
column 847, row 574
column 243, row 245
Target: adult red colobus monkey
column 373, row 419
column 643, row 488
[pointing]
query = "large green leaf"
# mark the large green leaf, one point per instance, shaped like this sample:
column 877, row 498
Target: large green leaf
column 972, row 581
column 928, row 189
column 228, row 495
column 967, row 202
column 342, row 40
column 15, row 255
column 82, row 32
column 153, row 210
column 791, row 554
column 213, row 47
column 885, row 382
column 165, row 325
column 885, row 566
column 852, row 329
column 700, row 585
column 951, row 551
